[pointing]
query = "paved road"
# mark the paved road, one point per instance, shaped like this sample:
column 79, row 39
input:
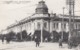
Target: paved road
column 31, row 46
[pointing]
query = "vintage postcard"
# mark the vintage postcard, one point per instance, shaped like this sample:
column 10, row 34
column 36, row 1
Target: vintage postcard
column 39, row 24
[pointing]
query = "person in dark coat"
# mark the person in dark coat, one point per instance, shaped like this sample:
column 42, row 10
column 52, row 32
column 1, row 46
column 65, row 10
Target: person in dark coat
column 37, row 40
column 60, row 42
column 8, row 39
column 2, row 39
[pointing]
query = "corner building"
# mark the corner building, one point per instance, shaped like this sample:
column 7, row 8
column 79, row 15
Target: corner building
column 41, row 19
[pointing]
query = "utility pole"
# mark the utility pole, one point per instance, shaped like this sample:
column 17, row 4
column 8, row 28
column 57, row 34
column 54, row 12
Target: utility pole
column 70, row 15
column 70, row 31
column 73, row 13
column 71, row 20
column 62, row 24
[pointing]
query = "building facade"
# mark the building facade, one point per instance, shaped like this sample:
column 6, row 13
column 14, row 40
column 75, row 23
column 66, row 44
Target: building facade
column 42, row 19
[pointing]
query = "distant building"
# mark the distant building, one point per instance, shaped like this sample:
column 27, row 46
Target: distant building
column 42, row 19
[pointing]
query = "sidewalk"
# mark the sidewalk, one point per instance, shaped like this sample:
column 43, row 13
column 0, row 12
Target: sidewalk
column 31, row 46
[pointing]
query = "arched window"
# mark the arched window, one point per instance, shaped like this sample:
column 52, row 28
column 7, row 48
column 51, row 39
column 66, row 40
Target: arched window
column 55, row 25
column 64, row 25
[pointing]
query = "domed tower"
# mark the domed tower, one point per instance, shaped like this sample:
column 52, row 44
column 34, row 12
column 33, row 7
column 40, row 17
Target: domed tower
column 42, row 8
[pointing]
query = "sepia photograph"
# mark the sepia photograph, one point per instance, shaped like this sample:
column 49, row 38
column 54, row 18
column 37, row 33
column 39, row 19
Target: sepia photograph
column 39, row 24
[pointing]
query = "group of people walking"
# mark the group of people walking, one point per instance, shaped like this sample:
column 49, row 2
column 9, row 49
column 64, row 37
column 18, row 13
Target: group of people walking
column 37, row 41
column 3, row 38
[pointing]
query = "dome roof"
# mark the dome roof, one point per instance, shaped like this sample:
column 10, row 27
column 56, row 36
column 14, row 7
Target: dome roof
column 42, row 7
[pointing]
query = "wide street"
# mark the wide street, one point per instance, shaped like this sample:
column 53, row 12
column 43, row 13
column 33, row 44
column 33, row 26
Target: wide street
column 30, row 45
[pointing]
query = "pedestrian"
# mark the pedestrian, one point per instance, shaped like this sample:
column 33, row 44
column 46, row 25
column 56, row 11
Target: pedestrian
column 8, row 39
column 70, row 43
column 2, row 39
column 60, row 43
column 37, row 40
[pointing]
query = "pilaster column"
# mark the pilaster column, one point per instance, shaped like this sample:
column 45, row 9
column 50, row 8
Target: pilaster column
column 42, row 22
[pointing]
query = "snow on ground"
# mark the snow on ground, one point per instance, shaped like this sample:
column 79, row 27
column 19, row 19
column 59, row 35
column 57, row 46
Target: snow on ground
column 30, row 45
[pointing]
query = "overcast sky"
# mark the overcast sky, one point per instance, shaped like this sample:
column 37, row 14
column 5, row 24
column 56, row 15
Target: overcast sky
column 10, row 12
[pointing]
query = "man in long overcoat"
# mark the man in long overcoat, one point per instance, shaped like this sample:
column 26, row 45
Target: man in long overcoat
column 37, row 40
